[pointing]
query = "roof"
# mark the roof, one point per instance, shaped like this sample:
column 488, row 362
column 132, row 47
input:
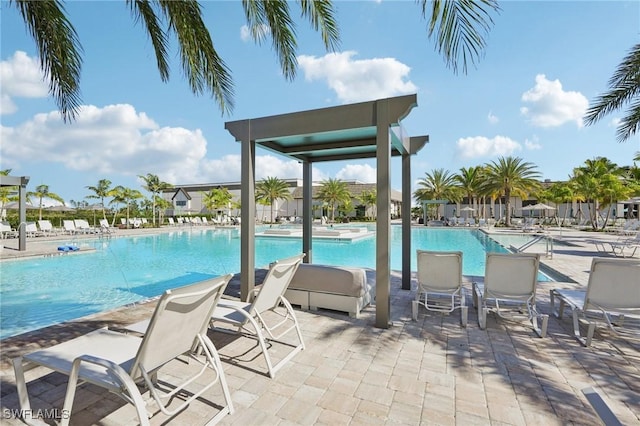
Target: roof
column 333, row 133
column 356, row 190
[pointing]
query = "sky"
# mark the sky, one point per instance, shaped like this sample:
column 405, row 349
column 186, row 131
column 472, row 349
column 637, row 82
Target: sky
column 544, row 63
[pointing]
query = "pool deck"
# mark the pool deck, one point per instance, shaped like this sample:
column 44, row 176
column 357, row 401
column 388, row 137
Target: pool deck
column 427, row 372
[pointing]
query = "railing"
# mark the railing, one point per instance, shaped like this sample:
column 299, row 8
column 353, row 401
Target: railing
column 548, row 245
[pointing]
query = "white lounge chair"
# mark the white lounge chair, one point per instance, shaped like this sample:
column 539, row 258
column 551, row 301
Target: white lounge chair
column 269, row 317
column 117, row 361
column 32, row 230
column 440, row 283
column 46, row 228
column 69, row 227
column 82, row 226
column 612, row 298
column 6, row 231
column 625, row 247
column 510, row 278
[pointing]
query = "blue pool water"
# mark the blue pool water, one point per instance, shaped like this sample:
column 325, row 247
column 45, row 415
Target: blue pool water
column 45, row 291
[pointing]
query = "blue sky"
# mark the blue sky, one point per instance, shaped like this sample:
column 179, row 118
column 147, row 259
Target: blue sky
column 544, row 63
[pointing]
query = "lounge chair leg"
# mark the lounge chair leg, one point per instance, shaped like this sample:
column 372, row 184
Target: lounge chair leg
column 482, row 317
column 545, row 323
column 464, row 314
column 414, row 310
column 590, row 331
column 21, row 386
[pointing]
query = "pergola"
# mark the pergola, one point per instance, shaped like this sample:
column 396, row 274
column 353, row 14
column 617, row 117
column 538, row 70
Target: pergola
column 20, row 182
column 356, row 131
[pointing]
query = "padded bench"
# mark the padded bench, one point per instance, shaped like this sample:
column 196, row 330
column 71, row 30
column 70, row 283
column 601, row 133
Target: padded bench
column 330, row 287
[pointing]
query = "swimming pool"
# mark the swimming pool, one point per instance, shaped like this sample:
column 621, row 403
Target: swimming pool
column 36, row 293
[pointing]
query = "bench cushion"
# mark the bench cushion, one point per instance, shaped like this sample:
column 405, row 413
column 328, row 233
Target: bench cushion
column 330, row 279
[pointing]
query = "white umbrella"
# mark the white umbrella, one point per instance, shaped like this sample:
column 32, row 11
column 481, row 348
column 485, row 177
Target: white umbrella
column 539, row 206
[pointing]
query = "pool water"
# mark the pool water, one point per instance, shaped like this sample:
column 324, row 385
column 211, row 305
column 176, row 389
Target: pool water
column 36, row 293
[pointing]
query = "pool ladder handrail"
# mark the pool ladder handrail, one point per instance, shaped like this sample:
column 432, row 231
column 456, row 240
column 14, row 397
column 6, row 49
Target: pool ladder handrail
column 548, row 245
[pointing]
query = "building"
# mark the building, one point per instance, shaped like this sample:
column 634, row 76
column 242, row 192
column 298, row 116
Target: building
column 188, row 200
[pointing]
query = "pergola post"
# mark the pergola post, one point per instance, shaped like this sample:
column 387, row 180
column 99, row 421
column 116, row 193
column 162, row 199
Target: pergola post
column 307, row 211
column 383, row 221
column 248, row 219
column 406, row 221
column 22, row 216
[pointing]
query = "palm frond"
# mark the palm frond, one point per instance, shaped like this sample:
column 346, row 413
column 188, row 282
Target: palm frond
column 204, row 69
column 321, row 15
column 143, row 11
column 59, row 50
column 461, row 27
column 624, row 87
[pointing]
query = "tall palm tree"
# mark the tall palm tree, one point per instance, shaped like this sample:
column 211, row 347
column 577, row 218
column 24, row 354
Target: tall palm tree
column 271, row 189
column 334, row 192
column 440, row 184
column 512, row 176
column 459, row 28
column 42, row 192
column 154, row 185
column 468, row 181
column 101, row 191
column 624, row 88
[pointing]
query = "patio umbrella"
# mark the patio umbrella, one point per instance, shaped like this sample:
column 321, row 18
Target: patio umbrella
column 60, row 208
column 15, row 206
column 467, row 209
column 538, row 207
column 94, row 208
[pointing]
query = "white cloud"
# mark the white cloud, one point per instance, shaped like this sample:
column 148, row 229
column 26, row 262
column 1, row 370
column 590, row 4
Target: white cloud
column 480, row 146
column 551, row 106
column 358, row 80
column 227, row 168
column 21, row 77
column 532, row 144
column 6, row 105
column 261, row 32
column 111, row 140
column 362, row 172
column 493, row 119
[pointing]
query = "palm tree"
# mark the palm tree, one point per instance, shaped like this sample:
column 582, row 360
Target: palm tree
column 512, row 176
column 216, row 199
column 437, row 185
column 459, row 28
column 60, row 51
column 6, row 193
column 42, row 192
column 101, row 191
column 598, row 181
column 468, row 181
column 271, row 189
column 125, row 195
column 334, row 192
column 560, row 193
column 369, row 199
column 154, row 185
column 624, row 88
